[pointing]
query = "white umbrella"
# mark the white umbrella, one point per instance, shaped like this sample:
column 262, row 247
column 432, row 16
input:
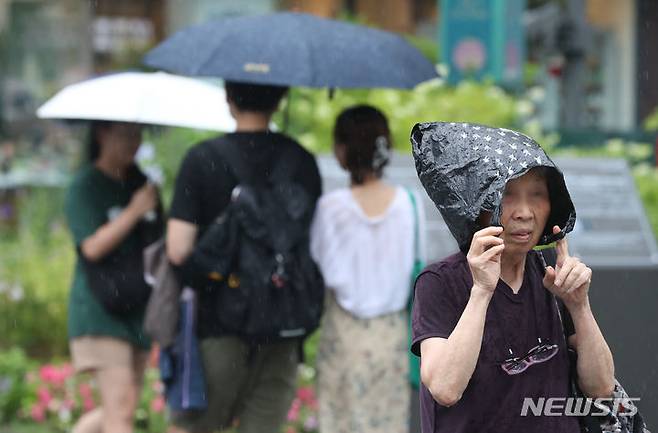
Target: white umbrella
column 150, row 98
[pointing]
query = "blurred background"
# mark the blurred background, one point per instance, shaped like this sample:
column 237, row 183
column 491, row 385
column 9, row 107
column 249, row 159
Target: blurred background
column 580, row 76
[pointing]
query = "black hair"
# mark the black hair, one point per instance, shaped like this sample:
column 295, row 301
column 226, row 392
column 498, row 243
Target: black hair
column 363, row 132
column 254, row 97
column 93, row 146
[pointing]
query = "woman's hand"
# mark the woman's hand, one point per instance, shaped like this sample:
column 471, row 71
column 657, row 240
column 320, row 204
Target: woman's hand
column 570, row 280
column 144, row 200
column 484, row 258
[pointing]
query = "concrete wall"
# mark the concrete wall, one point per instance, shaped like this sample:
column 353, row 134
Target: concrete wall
column 624, row 303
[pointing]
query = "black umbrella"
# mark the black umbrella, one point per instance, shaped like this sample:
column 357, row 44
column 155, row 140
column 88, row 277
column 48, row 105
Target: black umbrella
column 293, row 49
column 464, row 169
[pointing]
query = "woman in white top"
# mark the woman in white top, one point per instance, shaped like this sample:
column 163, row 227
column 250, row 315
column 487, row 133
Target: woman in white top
column 363, row 241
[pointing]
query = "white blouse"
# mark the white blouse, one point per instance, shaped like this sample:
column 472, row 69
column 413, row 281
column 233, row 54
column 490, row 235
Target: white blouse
column 366, row 261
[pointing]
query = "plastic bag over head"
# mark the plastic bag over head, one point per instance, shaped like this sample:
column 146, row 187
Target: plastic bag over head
column 464, row 168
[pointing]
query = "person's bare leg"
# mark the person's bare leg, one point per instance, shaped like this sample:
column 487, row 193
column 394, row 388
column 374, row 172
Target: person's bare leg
column 90, row 422
column 118, row 398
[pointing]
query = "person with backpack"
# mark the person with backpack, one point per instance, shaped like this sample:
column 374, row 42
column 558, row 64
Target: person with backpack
column 238, row 234
column 364, row 240
column 112, row 213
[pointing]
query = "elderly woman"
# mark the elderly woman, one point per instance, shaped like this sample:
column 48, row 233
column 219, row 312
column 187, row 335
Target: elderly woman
column 486, row 322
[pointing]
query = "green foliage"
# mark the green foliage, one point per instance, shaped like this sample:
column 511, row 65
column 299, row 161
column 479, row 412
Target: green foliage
column 634, row 153
column 35, row 271
column 14, row 390
column 150, row 415
column 651, row 122
column 312, row 113
column 429, row 47
column 646, row 180
column 53, row 397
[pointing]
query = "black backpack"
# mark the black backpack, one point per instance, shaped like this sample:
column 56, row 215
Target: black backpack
column 256, row 254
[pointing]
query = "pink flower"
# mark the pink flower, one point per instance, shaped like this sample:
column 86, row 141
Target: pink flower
column 306, row 394
column 158, row 404
column 291, row 429
column 44, row 396
column 53, row 375
column 67, row 370
column 54, row 405
column 68, row 404
column 88, row 404
column 38, row 413
column 293, row 412
column 47, row 373
column 158, row 386
column 85, row 390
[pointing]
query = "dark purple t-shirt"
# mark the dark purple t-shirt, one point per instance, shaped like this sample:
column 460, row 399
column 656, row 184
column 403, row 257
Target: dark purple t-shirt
column 493, row 400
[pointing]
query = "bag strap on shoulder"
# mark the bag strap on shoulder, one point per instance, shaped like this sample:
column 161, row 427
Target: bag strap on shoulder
column 548, row 257
column 414, row 205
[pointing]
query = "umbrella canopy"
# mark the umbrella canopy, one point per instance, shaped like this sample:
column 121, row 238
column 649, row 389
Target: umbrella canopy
column 148, row 98
column 464, row 169
column 293, row 49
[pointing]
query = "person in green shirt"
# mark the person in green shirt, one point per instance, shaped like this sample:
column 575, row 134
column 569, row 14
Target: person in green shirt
column 107, row 203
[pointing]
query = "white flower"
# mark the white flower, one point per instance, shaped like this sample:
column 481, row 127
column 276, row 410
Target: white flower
column 306, row 372
column 442, row 69
column 536, row 94
column 65, row 415
column 16, row 293
column 524, row 108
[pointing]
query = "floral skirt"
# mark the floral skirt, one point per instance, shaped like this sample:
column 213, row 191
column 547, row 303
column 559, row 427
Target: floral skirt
column 362, row 372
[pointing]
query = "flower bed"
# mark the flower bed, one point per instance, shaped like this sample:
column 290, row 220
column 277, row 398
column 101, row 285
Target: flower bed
column 52, row 397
